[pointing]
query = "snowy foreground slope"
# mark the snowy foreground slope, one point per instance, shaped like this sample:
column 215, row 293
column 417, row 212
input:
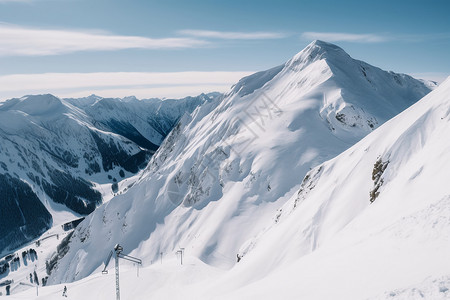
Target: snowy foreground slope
column 342, row 246
column 338, row 244
column 224, row 170
column 60, row 158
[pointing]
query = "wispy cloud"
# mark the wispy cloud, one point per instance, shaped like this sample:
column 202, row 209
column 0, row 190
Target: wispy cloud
column 15, row 1
column 15, row 40
column 438, row 77
column 231, row 35
column 118, row 84
column 344, row 37
column 419, row 38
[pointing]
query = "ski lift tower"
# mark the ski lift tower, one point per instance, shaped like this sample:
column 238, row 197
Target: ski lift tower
column 118, row 254
column 181, row 252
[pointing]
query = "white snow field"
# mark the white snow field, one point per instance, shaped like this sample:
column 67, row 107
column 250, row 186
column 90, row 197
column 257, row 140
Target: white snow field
column 227, row 183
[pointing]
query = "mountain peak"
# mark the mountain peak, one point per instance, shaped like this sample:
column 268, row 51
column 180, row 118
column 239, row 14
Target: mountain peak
column 315, row 51
column 34, row 104
column 318, row 47
column 323, row 44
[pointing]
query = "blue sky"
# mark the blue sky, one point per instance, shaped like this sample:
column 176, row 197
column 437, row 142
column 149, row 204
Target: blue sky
column 79, row 47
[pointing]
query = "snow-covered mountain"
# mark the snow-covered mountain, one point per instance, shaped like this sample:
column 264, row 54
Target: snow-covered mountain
column 372, row 223
column 60, row 158
column 222, row 172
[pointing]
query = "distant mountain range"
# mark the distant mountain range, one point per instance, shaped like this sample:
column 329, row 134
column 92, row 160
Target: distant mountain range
column 61, row 158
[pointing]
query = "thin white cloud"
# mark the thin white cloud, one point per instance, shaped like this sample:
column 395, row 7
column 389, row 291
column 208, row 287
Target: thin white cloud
column 419, row 38
column 15, row 1
column 344, row 37
column 438, row 77
column 229, row 35
column 15, row 40
column 118, row 84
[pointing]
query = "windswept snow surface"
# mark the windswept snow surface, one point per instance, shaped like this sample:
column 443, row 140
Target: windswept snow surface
column 341, row 246
column 223, row 171
column 168, row 280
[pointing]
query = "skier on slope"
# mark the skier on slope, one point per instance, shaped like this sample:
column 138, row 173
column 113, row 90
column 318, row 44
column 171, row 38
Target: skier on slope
column 65, row 292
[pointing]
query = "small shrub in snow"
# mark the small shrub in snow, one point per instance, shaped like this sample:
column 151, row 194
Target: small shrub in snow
column 378, row 169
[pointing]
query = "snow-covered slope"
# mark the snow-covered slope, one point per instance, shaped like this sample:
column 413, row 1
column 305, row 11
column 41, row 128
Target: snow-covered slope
column 329, row 241
column 59, row 158
column 222, row 171
column 373, row 222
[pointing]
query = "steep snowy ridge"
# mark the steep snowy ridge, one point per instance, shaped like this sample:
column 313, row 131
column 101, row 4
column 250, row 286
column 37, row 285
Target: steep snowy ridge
column 70, row 154
column 222, row 172
column 380, row 210
column 358, row 107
